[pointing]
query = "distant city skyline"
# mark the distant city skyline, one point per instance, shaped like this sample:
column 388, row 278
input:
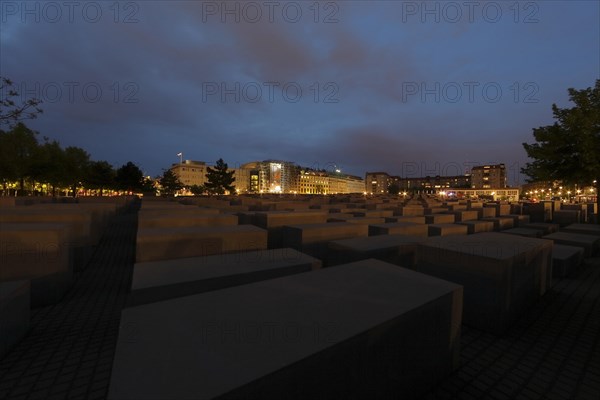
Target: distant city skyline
column 419, row 88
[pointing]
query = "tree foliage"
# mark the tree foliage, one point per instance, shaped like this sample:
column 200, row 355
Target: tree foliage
column 11, row 109
column 220, row 179
column 100, row 175
column 130, row 178
column 170, row 183
column 569, row 149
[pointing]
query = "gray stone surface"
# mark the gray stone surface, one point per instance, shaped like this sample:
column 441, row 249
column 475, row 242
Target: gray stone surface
column 363, row 330
column 186, row 219
column 588, row 229
column 501, row 223
column 38, row 252
column 566, row 217
column 534, row 233
column 447, row 229
column 169, row 243
column 590, row 243
column 399, row 228
column 14, row 313
column 163, row 280
column 417, row 220
column 395, row 249
column 312, row 238
column 565, row 259
column 546, row 227
column 464, row 215
column 518, row 220
column 502, row 274
column 477, row 226
column 440, row 219
column 274, row 222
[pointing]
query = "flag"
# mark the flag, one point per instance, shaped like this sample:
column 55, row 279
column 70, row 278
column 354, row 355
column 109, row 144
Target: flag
column 179, row 154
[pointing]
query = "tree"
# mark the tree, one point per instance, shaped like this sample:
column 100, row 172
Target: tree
column 76, row 162
column 100, row 175
column 11, row 112
column 48, row 165
column 219, row 178
column 130, row 178
column 393, row 189
column 198, row 190
column 569, row 150
column 170, row 183
column 18, row 147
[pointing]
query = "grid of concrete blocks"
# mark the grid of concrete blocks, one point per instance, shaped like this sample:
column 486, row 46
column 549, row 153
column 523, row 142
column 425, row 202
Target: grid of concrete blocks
column 307, row 297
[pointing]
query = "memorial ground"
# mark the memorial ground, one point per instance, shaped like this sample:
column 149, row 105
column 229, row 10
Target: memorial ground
column 552, row 352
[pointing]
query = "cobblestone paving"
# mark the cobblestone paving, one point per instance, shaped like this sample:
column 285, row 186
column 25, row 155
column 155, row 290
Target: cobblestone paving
column 552, row 353
column 69, row 350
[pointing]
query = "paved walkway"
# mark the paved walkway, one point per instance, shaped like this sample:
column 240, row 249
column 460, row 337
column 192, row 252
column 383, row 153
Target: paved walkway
column 69, row 351
column 552, row 353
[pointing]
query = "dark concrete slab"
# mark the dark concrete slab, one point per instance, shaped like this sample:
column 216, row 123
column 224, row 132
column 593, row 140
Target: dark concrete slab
column 447, row 229
column 14, row 313
column 477, row 226
column 416, row 220
column 163, row 280
column 399, row 228
column 395, row 249
column 502, row 274
column 587, row 229
column 566, row 259
column 501, row 223
column 362, row 330
column 440, row 219
column 534, row 233
column 170, row 243
column 312, row 238
column 518, row 220
column 590, row 243
column 546, row 227
column 186, row 219
column 40, row 253
column 274, row 221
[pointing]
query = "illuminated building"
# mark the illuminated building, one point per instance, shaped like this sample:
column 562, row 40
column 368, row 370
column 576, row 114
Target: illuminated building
column 488, row 176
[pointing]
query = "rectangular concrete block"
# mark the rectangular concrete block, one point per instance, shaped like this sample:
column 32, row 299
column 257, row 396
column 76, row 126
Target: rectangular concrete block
column 462, row 216
column 410, row 211
column 15, row 307
column 440, row 219
column 274, row 221
column 362, row 330
column 501, row 223
column 485, row 212
column 395, row 249
column 590, row 243
column 566, row 259
column 168, row 243
column 527, row 232
column 399, row 228
column 312, row 238
column 185, row 219
column 417, row 220
column 40, row 253
column 587, row 229
column 502, row 275
column 518, row 220
column 167, row 279
column 447, row 229
column 356, row 220
column 477, row 226
column 566, row 217
column 547, row 228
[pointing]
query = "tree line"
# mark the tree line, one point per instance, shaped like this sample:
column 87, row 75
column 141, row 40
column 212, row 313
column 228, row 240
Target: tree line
column 44, row 167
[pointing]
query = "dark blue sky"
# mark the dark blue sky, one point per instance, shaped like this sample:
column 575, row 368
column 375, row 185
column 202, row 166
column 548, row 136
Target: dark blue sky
column 412, row 88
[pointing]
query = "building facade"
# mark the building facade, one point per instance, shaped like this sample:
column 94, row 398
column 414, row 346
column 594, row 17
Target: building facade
column 488, row 176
